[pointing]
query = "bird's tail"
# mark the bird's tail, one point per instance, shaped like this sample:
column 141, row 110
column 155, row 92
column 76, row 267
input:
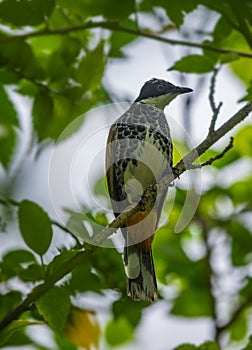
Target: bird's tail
column 141, row 279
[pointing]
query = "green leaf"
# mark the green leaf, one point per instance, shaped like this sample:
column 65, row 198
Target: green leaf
column 8, row 115
column 25, row 12
column 8, row 119
column 11, row 263
column 246, row 291
column 241, row 192
column 131, row 310
column 54, row 306
column 108, row 9
column 60, row 259
column 111, row 10
column 35, row 226
column 104, row 263
column 42, row 112
column 63, row 343
column 44, row 45
column 170, row 258
column 52, row 114
column 18, row 339
column 9, row 301
column 228, row 57
column 240, row 67
column 7, row 76
column 222, row 29
column 10, row 50
column 7, row 144
column 16, row 257
column 248, row 97
column 100, row 187
column 209, row 345
column 239, row 328
column 193, row 64
column 13, row 327
column 177, row 10
column 31, row 273
column 192, row 303
column 241, row 243
column 70, row 49
column 118, row 40
column 57, row 67
column 243, row 141
column 186, row 347
column 118, row 331
column 26, row 87
column 74, row 8
column 63, row 113
column 91, row 68
column 83, row 279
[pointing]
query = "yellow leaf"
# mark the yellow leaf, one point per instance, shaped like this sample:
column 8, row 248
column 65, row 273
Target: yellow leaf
column 83, row 328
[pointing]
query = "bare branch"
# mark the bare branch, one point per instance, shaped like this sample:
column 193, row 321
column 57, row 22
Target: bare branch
column 212, row 90
column 213, row 159
column 213, row 138
column 114, row 26
column 65, row 229
column 215, row 110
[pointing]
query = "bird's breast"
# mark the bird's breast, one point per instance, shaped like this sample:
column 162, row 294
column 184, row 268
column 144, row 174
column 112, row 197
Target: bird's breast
column 147, row 162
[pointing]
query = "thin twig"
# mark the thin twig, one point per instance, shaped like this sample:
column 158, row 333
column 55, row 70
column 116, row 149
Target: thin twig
column 215, row 110
column 114, row 26
column 65, row 229
column 214, row 137
column 212, row 89
column 213, row 159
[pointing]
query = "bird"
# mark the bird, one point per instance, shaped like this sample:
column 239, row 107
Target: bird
column 138, row 155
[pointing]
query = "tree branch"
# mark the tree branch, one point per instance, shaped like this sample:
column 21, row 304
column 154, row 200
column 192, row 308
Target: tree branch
column 214, row 137
column 215, row 110
column 114, row 26
column 146, row 200
column 213, row 159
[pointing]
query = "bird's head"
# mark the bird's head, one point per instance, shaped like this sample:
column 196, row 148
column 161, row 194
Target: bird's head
column 160, row 93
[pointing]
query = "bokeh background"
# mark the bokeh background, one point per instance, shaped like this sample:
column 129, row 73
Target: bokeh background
column 67, row 71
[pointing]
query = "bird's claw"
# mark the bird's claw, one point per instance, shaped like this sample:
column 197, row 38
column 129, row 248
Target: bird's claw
column 175, row 172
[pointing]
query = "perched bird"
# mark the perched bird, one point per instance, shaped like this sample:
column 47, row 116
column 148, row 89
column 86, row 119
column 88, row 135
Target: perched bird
column 139, row 154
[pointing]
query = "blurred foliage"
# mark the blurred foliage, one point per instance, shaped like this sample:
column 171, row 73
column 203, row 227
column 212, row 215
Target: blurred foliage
column 52, row 56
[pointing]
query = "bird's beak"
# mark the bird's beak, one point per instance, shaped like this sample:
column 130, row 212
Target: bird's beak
column 182, row 90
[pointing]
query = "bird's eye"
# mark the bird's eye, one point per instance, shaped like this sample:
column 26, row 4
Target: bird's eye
column 160, row 87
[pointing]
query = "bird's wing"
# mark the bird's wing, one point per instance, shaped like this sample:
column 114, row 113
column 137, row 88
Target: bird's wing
column 115, row 177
